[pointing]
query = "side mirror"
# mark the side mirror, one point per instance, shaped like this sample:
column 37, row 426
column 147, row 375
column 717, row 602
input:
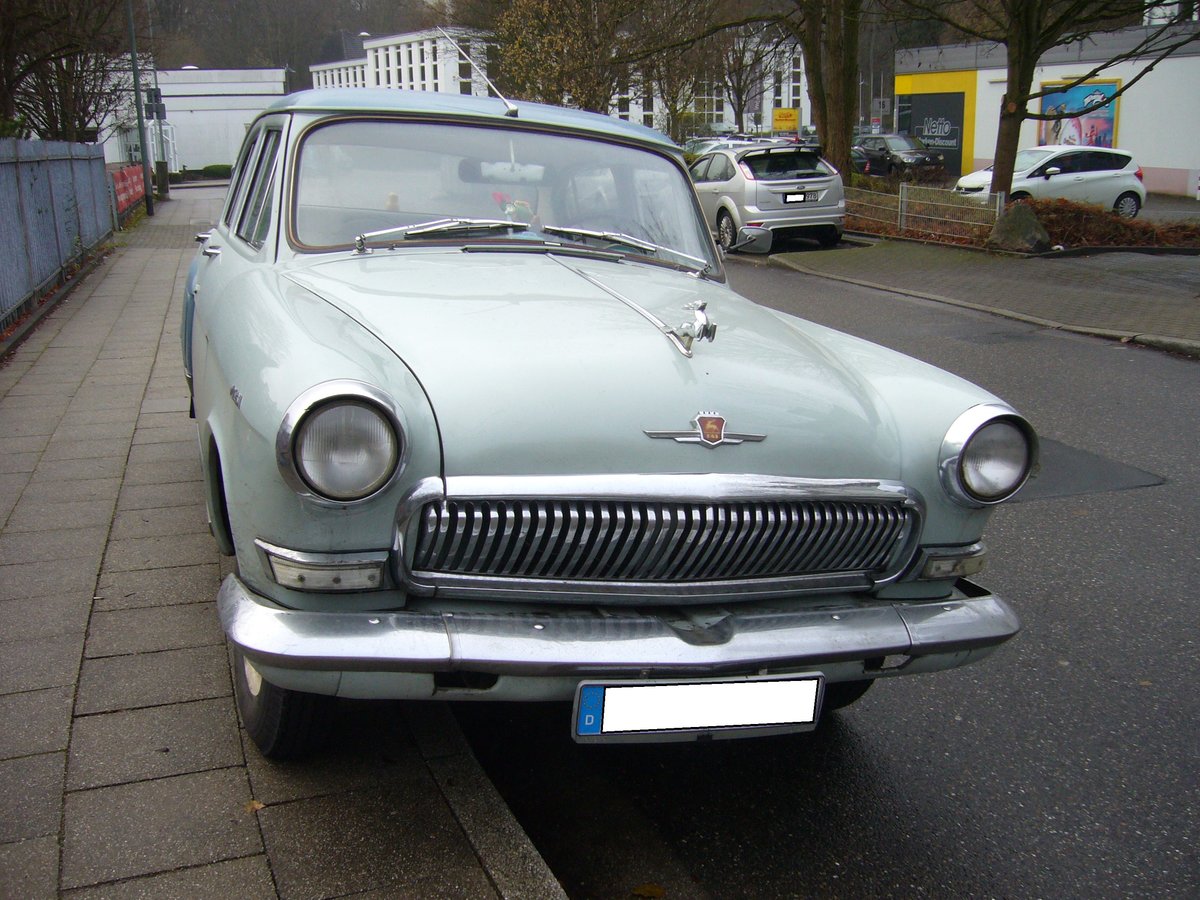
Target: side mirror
column 1053, row 170
column 753, row 240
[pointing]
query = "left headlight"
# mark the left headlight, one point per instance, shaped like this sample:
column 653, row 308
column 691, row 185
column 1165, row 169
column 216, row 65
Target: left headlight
column 340, row 441
column 987, row 455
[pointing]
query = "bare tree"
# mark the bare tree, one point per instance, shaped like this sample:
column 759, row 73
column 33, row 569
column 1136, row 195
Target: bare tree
column 70, row 73
column 1029, row 28
column 745, row 55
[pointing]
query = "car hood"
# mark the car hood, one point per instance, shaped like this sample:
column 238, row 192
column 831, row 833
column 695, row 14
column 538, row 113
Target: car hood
column 980, row 179
column 542, row 365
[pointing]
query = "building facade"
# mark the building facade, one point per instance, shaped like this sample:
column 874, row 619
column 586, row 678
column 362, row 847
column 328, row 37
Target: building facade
column 951, row 96
column 428, row 61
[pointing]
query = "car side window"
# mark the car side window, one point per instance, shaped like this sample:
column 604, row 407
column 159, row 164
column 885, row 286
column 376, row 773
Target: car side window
column 699, row 169
column 255, row 215
column 721, row 169
column 239, row 181
column 1102, row 161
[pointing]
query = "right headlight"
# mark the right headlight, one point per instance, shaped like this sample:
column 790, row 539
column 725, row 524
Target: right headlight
column 987, row 455
column 341, row 442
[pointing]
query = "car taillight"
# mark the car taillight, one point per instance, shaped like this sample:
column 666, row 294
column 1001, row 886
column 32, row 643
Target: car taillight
column 867, row 167
column 1138, row 173
column 747, row 171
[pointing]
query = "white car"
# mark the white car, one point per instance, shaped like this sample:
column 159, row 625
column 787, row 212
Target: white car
column 1099, row 175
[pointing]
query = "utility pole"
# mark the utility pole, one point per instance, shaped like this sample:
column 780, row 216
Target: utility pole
column 137, row 104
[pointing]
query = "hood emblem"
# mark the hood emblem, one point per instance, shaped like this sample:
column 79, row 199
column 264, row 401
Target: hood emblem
column 708, row 428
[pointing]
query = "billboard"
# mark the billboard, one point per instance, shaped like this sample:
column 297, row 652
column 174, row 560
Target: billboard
column 785, row 118
column 937, row 119
column 1095, row 129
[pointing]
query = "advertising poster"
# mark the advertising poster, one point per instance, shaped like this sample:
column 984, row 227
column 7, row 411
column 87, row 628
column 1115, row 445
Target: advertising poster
column 937, row 119
column 1095, row 129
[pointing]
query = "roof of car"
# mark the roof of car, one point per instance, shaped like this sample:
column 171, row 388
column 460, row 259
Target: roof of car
column 1055, row 148
column 432, row 103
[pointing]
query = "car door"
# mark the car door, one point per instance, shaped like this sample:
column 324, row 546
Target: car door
column 1102, row 182
column 708, row 175
column 243, row 239
column 1067, row 183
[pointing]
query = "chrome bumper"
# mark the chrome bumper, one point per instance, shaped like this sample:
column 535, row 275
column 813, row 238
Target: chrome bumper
column 620, row 642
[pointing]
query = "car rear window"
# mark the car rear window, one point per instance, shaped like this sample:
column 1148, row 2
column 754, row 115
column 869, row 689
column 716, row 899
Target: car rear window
column 785, row 163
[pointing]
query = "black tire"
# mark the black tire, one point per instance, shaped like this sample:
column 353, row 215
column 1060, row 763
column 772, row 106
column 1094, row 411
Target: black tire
column 1128, row 205
column 842, row 693
column 283, row 724
column 726, row 232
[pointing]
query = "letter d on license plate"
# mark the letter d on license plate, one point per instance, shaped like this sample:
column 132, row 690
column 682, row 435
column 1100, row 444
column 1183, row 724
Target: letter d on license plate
column 685, row 710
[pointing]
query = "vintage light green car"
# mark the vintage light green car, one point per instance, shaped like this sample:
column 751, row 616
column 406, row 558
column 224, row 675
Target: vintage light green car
column 481, row 419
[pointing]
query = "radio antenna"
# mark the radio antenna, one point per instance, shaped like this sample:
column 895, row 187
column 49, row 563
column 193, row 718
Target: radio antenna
column 510, row 108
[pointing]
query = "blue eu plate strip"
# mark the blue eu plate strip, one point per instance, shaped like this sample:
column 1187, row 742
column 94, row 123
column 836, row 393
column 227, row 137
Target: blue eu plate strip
column 591, row 709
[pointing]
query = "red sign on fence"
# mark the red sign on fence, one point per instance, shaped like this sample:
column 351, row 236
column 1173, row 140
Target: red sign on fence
column 130, row 187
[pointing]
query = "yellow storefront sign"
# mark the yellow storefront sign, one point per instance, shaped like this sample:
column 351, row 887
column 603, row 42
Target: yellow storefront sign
column 785, row 118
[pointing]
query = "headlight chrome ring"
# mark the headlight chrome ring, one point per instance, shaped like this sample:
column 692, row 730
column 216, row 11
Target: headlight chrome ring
column 987, row 455
column 341, row 442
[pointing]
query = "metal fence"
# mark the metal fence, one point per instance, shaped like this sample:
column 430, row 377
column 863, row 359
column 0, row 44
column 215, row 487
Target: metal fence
column 57, row 207
column 924, row 211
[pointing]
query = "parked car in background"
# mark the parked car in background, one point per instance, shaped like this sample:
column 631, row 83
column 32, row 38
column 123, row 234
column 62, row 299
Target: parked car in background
column 900, row 154
column 481, row 419
column 859, row 161
column 700, row 147
column 782, row 187
column 1109, row 178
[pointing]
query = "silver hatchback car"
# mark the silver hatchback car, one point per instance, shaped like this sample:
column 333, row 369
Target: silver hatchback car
column 785, row 188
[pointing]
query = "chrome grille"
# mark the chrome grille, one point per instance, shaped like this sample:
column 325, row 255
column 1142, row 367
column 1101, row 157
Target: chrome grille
column 637, row 547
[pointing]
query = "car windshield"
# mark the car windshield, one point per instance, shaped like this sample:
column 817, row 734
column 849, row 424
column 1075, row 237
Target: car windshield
column 788, row 162
column 904, row 142
column 391, row 181
column 1027, row 159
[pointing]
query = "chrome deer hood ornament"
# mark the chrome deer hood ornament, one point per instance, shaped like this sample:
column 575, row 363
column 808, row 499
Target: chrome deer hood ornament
column 701, row 328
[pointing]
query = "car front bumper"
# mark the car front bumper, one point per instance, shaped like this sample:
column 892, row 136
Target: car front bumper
column 542, row 654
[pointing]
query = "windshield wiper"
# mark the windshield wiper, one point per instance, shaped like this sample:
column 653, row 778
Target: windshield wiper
column 438, row 226
column 617, row 237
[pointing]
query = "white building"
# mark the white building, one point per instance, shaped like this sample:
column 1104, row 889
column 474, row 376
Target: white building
column 960, row 87
column 428, row 61
column 208, row 111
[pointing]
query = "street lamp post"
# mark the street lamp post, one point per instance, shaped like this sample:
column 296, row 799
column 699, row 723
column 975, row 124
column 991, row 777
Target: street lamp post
column 137, row 105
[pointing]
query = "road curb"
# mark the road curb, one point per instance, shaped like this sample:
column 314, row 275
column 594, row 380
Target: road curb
column 511, row 862
column 1181, row 346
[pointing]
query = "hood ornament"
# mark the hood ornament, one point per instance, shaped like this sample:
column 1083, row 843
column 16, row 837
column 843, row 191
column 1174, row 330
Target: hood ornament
column 709, row 430
column 701, row 328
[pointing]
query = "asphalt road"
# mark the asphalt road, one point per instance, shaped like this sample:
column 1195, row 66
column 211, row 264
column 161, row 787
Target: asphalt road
column 1066, row 765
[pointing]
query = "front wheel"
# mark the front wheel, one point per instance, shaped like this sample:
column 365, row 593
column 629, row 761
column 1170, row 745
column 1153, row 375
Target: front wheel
column 726, row 233
column 1127, row 205
column 284, row 724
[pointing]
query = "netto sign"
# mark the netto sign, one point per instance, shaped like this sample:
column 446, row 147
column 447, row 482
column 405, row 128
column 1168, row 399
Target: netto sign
column 937, row 119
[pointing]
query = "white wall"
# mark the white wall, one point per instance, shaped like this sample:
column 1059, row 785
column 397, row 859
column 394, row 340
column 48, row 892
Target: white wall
column 1158, row 119
column 210, row 110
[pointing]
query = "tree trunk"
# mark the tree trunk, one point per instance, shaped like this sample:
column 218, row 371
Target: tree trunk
column 1022, row 60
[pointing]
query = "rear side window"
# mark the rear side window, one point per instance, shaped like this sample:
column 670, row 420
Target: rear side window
column 253, row 220
column 1103, row 161
column 786, row 163
column 721, row 169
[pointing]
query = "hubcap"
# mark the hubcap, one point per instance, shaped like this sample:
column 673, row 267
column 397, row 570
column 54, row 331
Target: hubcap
column 1127, row 207
column 726, row 232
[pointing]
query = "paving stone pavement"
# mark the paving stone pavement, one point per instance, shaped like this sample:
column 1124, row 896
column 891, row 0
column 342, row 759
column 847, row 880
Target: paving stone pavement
column 123, row 769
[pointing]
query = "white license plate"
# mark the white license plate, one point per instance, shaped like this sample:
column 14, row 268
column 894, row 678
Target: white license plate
column 807, row 197
column 648, row 711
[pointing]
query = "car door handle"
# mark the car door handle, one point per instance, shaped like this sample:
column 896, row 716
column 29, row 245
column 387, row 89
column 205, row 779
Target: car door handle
column 202, row 236
column 211, row 251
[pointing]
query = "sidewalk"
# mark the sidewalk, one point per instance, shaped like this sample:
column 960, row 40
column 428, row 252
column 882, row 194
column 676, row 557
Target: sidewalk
column 123, row 770
column 1143, row 298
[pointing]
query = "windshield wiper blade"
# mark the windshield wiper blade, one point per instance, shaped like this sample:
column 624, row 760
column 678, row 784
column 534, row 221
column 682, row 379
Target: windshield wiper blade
column 617, row 237
column 438, row 226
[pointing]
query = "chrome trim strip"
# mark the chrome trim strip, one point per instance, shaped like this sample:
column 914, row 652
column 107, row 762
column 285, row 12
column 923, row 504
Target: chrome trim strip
column 667, row 331
column 613, row 642
column 960, row 433
column 625, row 542
column 321, row 393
